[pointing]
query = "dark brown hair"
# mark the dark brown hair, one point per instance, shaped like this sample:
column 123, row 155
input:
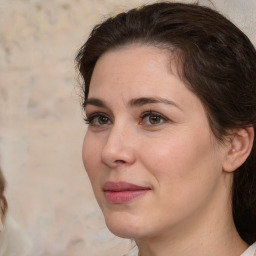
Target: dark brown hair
column 218, row 65
column 3, row 202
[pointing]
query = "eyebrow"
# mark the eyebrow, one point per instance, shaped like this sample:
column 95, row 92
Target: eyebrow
column 151, row 100
column 95, row 102
column 137, row 102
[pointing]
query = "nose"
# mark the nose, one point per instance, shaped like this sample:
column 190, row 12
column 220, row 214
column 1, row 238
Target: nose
column 119, row 148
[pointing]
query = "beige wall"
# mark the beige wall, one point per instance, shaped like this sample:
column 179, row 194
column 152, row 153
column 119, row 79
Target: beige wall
column 41, row 127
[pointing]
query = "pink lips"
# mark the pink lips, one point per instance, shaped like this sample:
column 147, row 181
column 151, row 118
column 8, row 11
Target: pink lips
column 121, row 192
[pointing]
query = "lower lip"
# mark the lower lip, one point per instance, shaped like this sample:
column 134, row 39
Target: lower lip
column 120, row 197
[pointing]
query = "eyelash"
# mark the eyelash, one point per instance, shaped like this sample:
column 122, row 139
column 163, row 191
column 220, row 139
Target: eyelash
column 91, row 118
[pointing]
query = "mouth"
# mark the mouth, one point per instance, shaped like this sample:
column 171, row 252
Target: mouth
column 122, row 192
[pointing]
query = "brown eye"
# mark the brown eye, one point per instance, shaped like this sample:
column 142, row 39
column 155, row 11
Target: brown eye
column 153, row 118
column 98, row 119
column 103, row 120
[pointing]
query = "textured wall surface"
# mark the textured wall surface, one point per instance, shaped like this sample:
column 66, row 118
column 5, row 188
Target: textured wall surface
column 41, row 127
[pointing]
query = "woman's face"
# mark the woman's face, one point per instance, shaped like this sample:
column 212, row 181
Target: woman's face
column 152, row 159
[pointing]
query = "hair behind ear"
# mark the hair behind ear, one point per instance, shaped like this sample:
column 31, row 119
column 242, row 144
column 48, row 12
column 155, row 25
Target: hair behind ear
column 244, row 197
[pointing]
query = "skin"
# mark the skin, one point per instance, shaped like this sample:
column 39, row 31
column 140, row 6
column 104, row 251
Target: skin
column 187, row 210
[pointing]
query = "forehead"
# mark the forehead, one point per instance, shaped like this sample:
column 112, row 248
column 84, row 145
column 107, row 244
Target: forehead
column 133, row 64
column 140, row 71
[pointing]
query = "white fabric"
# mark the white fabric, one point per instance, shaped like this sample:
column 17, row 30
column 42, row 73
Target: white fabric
column 133, row 252
column 251, row 251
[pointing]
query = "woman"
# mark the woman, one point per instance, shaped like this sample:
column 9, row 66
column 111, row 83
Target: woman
column 13, row 241
column 3, row 202
column 170, row 99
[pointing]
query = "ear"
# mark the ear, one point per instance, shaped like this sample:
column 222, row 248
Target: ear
column 239, row 148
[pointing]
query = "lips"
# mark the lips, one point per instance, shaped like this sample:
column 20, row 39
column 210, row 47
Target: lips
column 122, row 192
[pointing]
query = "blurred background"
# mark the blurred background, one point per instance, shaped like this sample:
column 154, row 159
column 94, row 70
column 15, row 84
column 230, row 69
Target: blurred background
column 51, row 203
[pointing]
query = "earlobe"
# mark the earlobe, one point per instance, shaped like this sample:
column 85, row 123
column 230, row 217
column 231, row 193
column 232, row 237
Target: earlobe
column 239, row 149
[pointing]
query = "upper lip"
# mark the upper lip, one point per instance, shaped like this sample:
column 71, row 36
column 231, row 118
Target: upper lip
column 122, row 186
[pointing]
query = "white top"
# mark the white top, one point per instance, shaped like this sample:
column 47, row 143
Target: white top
column 251, row 251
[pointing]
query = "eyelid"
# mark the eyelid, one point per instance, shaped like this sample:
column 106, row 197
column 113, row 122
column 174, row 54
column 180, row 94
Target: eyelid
column 95, row 113
column 150, row 112
column 93, row 109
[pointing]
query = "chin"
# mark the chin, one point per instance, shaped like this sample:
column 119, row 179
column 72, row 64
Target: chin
column 121, row 232
column 124, row 226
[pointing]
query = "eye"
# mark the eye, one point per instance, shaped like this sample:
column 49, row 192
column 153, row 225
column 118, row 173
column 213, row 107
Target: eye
column 98, row 119
column 152, row 118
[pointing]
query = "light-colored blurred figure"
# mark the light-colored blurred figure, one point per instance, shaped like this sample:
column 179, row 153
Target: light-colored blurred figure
column 12, row 240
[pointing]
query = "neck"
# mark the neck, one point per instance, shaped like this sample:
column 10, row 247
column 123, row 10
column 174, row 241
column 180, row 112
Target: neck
column 211, row 231
column 228, row 244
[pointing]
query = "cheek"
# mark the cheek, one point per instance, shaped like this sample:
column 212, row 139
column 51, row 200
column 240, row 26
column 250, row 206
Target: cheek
column 180, row 158
column 91, row 156
column 185, row 173
column 166, row 154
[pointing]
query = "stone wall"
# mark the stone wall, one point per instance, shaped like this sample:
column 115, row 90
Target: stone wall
column 41, row 127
